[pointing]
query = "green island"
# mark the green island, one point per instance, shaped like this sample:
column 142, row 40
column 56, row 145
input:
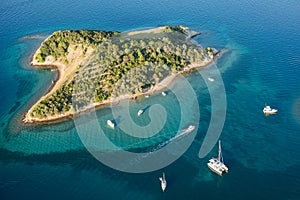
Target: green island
column 100, row 67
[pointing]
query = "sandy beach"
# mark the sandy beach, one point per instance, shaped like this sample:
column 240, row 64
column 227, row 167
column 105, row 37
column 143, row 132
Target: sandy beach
column 64, row 73
column 75, row 58
column 61, row 70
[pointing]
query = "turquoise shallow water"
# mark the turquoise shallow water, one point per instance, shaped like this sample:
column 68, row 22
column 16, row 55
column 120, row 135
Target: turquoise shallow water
column 261, row 66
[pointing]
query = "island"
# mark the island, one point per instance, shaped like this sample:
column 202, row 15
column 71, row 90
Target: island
column 97, row 68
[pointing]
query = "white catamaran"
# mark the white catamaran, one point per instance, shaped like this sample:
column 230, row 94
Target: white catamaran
column 163, row 182
column 217, row 164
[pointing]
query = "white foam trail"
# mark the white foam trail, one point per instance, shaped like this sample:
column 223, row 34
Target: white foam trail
column 181, row 134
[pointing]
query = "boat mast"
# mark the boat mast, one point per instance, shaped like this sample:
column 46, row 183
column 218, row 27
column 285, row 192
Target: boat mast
column 219, row 155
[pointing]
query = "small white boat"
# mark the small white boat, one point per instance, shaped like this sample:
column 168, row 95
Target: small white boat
column 211, row 79
column 163, row 182
column 141, row 111
column 147, row 96
column 190, row 128
column 164, row 93
column 217, row 164
column 110, row 123
column 269, row 110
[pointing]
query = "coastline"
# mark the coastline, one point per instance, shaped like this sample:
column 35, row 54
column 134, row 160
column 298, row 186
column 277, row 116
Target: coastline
column 56, row 84
column 64, row 70
column 62, row 117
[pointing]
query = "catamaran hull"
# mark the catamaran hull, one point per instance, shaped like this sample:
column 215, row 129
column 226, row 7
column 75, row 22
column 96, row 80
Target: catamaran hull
column 220, row 173
column 217, row 166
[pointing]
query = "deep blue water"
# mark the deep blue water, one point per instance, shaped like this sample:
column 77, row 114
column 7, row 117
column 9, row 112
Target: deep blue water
column 261, row 66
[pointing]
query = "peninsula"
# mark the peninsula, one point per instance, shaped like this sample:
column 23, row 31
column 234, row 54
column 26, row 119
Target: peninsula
column 99, row 67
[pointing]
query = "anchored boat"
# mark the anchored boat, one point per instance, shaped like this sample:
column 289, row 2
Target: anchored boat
column 217, row 164
column 141, row 111
column 110, row 123
column 163, row 182
column 269, row 110
column 211, row 79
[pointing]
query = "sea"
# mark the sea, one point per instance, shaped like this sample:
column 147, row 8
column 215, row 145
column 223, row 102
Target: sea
column 260, row 66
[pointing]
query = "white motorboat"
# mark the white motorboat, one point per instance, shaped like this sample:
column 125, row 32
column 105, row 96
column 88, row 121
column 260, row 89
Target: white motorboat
column 182, row 133
column 110, row 123
column 269, row 110
column 164, row 93
column 141, row 111
column 211, row 79
column 163, row 182
column 217, row 164
column 190, row 128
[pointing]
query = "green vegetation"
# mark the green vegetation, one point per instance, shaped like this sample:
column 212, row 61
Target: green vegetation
column 58, row 43
column 169, row 29
column 120, row 65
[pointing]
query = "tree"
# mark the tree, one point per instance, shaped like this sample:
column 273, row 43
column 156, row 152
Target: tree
column 40, row 58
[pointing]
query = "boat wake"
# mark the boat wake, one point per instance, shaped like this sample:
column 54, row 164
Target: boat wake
column 178, row 136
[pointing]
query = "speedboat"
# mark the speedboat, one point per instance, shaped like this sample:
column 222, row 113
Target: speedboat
column 164, row 93
column 217, row 164
column 163, row 182
column 190, row 128
column 269, row 110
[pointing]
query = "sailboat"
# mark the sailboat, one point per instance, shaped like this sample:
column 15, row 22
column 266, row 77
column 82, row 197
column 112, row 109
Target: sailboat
column 163, row 182
column 217, row 164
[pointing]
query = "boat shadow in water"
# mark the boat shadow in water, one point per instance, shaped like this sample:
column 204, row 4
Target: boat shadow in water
column 146, row 108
